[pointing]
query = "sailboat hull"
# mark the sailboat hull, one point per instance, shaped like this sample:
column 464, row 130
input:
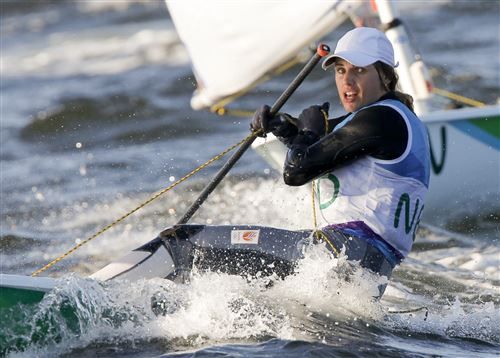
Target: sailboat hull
column 19, row 289
column 240, row 250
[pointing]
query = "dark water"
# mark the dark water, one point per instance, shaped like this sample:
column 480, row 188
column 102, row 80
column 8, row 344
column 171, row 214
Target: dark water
column 95, row 119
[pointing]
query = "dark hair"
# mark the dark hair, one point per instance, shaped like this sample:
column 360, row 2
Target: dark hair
column 389, row 79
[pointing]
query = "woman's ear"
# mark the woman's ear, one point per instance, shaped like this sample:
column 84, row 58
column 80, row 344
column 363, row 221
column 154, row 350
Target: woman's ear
column 386, row 82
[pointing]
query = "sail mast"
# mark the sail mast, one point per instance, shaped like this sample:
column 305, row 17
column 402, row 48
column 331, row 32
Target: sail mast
column 413, row 74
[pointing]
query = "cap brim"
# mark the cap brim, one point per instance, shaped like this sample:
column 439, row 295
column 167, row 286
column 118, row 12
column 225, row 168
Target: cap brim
column 356, row 58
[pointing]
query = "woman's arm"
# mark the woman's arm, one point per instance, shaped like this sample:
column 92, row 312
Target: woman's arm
column 378, row 131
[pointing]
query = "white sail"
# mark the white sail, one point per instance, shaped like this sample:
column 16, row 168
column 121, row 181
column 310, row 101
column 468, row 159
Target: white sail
column 248, row 38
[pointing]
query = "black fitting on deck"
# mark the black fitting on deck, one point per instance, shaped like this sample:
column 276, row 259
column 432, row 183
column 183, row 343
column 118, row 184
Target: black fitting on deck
column 390, row 25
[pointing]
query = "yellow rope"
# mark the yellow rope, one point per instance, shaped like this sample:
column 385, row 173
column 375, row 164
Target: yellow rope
column 313, row 194
column 320, row 235
column 219, row 107
column 457, row 97
column 154, row 197
column 222, row 111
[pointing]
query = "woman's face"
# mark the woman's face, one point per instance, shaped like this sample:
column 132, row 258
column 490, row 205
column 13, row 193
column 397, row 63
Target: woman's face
column 357, row 86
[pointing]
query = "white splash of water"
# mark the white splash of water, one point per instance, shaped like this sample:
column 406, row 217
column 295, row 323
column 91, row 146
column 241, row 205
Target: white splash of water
column 212, row 308
column 456, row 320
column 221, row 307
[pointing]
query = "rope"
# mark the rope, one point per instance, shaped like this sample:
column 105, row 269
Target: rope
column 318, row 233
column 219, row 107
column 313, row 194
column 457, row 97
column 222, row 111
column 154, row 197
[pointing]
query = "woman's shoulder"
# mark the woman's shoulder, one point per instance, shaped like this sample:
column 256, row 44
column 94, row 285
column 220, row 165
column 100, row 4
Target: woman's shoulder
column 380, row 110
column 382, row 118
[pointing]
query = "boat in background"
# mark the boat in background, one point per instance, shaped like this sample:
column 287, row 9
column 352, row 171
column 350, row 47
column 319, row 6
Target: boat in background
column 254, row 39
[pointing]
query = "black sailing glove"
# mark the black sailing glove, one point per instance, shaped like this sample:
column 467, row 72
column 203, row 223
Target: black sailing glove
column 314, row 119
column 265, row 122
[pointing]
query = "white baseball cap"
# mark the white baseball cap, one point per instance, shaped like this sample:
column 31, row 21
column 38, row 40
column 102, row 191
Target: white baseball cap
column 361, row 47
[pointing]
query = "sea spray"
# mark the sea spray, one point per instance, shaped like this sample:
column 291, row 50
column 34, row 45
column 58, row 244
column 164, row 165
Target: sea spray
column 78, row 312
column 457, row 320
column 220, row 307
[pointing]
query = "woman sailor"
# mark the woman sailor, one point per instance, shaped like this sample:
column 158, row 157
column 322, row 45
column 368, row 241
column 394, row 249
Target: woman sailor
column 371, row 165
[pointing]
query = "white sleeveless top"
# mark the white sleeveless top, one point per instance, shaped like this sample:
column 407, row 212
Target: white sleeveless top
column 386, row 195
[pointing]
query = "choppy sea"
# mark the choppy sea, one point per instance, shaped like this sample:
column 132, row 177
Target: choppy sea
column 95, row 118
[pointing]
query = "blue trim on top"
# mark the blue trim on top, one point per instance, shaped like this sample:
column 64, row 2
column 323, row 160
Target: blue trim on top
column 477, row 133
column 416, row 164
